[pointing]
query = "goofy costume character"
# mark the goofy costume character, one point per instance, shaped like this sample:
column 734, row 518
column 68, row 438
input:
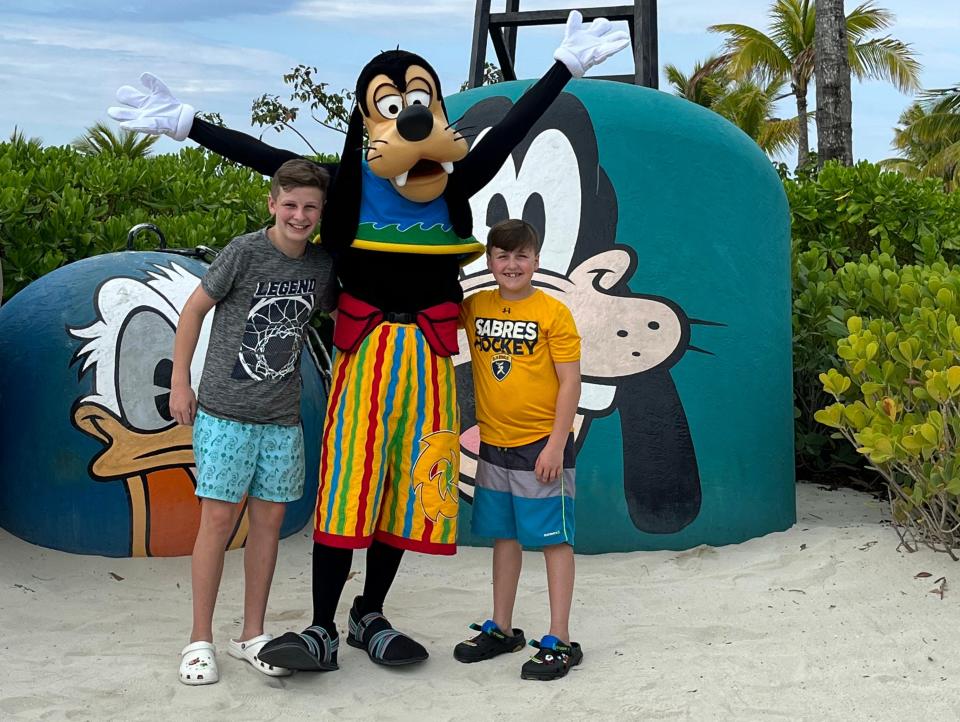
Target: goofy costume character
column 398, row 223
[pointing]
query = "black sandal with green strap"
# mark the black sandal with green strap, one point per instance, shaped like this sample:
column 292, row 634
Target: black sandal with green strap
column 491, row 642
column 553, row 659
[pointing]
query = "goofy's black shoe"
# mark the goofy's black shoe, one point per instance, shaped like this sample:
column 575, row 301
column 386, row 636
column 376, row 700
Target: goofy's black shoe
column 383, row 644
column 314, row 650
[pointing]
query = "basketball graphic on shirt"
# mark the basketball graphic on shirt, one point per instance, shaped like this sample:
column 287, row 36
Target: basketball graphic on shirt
column 273, row 334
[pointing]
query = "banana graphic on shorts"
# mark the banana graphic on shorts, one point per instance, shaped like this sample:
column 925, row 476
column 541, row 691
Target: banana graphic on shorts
column 435, row 474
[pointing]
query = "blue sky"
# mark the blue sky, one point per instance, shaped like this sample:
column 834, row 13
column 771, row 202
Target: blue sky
column 61, row 61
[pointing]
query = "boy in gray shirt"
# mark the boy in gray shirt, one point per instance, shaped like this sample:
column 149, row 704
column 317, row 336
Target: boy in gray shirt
column 247, row 437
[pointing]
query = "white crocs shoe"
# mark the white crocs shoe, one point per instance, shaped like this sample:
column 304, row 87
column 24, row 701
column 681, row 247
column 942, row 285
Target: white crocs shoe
column 250, row 650
column 198, row 664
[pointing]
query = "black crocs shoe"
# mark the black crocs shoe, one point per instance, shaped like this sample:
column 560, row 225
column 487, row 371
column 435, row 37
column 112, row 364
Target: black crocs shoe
column 488, row 644
column 553, row 659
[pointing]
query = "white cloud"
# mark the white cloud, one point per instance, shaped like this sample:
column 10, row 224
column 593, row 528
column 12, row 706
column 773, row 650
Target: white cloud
column 384, row 13
column 132, row 43
column 150, row 11
column 60, row 77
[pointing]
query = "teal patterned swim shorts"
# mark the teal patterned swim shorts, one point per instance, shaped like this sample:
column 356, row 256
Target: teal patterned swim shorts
column 234, row 458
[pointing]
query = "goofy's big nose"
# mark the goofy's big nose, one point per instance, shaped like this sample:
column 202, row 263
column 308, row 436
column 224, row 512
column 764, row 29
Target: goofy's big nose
column 415, row 123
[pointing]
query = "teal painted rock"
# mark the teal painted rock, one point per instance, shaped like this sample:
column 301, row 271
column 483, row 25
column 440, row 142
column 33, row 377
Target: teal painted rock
column 666, row 231
column 91, row 460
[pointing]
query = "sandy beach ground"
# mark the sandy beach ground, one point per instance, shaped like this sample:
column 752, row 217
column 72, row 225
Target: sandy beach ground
column 826, row 621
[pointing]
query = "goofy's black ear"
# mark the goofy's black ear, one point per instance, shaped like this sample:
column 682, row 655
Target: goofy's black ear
column 461, row 217
column 341, row 215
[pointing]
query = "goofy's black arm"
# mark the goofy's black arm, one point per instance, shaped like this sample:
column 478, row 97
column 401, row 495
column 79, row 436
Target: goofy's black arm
column 244, row 149
column 478, row 168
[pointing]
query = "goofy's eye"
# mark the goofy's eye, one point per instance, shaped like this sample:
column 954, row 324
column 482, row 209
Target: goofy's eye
column 390, row 106
column 418, row 97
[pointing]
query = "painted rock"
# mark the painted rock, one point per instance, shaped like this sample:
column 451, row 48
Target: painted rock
column 666, row 231
column 92, row 462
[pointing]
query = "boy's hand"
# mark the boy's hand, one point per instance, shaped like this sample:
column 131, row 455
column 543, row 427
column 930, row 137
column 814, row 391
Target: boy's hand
column 549, row 466
column 183, row 405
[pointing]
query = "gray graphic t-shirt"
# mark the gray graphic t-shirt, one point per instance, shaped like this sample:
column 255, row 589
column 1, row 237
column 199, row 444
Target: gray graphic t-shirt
column 264, row 301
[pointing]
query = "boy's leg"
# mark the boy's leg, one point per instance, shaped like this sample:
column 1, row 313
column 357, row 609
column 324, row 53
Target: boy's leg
column 560, row 576
column 259, row 562
column 222, row 481
column 493, row 517
column 556, row 654
column 545, row 518
column 217, row 520
column 278, row 480
column 497, row 635
column 507, row 562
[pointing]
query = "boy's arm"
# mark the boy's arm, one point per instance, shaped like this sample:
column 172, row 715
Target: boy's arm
column 183, row 401
column 549, row 466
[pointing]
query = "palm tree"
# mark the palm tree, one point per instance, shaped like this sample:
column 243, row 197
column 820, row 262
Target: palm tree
column 929, row 138
column 832, row 69
column 747, row 103
column 17, row 138
column 708, row 81
column 99, row 139
column 786, row 52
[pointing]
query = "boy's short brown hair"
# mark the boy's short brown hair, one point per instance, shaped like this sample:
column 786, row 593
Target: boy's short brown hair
column 513, row 235
column 299, row 173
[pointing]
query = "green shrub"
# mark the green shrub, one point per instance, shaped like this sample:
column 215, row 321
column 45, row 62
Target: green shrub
column 58, row 206
column 848, row 211
column 837, row 216
column 897, row 391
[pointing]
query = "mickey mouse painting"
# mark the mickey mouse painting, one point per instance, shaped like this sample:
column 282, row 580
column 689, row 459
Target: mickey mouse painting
column 398, row 220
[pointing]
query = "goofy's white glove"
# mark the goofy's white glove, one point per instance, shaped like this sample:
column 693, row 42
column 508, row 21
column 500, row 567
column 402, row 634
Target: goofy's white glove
column 156, row 112
column 584, row 46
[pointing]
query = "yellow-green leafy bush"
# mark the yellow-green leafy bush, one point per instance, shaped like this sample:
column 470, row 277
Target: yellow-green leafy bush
column 897, row 390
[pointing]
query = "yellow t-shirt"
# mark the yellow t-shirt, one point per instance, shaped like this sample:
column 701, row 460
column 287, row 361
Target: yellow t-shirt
column 513, row 346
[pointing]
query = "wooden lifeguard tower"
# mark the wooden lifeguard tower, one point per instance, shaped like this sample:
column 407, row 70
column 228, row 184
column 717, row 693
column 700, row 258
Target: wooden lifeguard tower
column 501, row 28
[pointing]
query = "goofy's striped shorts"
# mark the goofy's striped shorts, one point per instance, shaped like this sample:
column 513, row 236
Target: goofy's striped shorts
column 390, row 456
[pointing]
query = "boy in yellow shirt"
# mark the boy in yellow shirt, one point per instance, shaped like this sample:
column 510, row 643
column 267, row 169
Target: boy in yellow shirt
column 526, row 373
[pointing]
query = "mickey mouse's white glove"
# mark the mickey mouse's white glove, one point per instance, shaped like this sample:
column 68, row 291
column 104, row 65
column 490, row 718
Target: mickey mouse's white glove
column 584, row 46
column 156, row 112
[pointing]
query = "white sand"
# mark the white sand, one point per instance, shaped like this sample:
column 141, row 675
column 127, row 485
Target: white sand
column 824, row 621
